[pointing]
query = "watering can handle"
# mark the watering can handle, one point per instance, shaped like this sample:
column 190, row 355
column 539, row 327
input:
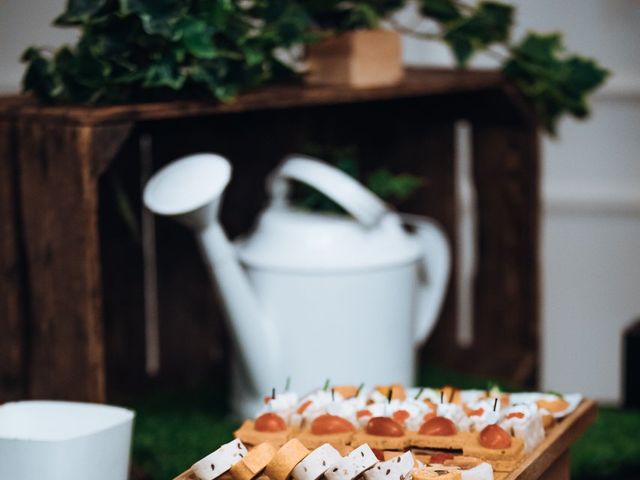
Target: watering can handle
column 363, row 205
column 434, row 274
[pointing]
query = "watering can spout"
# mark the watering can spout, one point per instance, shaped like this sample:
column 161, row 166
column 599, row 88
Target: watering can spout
column 190, row 191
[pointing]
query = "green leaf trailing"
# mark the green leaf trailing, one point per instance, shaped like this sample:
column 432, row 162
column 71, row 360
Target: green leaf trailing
column 143, row 50
column 555, row 83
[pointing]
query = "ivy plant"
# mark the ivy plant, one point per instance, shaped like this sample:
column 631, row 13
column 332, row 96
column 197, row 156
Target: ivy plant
column 139, row 50
column 392, row 187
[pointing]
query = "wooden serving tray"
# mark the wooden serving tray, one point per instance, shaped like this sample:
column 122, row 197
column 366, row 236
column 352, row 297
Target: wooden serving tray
column 550, row 460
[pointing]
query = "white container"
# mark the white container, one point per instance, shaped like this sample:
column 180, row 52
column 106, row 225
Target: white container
column 312, row 296
column 50, row 440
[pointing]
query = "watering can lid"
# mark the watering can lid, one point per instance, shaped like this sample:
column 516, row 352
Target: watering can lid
column 290, row 239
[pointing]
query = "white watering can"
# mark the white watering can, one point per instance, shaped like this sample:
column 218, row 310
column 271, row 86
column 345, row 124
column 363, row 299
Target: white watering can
column 311, row 296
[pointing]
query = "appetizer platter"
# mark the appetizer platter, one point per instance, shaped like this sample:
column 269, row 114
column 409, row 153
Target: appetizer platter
column 347, row 432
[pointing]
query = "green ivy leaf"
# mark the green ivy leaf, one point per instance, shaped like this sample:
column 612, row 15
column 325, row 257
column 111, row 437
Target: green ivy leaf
column 393, row 187
column 197, row 37
column 585, row 74
column 79, row 12
column 490, row 23
column 166, row 72
column 213, row 75
column 554, row 82
column 440, row 10
column 158, row 16
column 39, row 76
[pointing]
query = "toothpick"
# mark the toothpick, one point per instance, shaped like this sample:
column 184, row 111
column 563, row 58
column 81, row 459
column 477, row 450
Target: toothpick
column 390, row 394
column 419, row 393
column 441, row 397
column 360, row 387
column 333, row 394
column 495, row 404
column 326, row 385
column 287, row 384
column 273, row 393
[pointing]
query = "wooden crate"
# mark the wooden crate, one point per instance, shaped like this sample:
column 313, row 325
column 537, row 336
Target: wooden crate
column 83, row 298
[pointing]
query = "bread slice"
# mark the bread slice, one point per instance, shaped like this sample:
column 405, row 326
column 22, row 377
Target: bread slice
column 254, row 462
column 285, row 460
column 312, row 441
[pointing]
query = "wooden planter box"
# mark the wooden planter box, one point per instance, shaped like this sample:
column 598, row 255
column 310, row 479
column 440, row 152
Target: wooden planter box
column 71, row 272
column 360, row 59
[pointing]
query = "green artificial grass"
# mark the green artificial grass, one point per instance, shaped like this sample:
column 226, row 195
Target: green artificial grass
column 610, row 448
column 174, row 430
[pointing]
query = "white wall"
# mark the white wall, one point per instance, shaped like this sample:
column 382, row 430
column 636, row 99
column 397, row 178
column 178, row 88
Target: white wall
column 591, row 239
column 591, row 190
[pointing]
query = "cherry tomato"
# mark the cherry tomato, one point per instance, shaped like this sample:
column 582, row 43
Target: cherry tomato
column 384, row 427
column 327, row 424
column 438, row 426
column 270, row 422
column 493, row 436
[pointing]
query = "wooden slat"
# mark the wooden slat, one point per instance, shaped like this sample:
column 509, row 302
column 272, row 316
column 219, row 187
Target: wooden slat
column 427, row 150
column 556, row 444
column 11, row 314
column 59, row 199
column 417, row 83
column 506, row 177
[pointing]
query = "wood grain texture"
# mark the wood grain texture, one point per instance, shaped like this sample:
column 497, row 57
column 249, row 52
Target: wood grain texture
column 59, row 199
column 418, row 82
column 506, row 177
column 12, row 345
column 555, row 446
column 560, row 469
